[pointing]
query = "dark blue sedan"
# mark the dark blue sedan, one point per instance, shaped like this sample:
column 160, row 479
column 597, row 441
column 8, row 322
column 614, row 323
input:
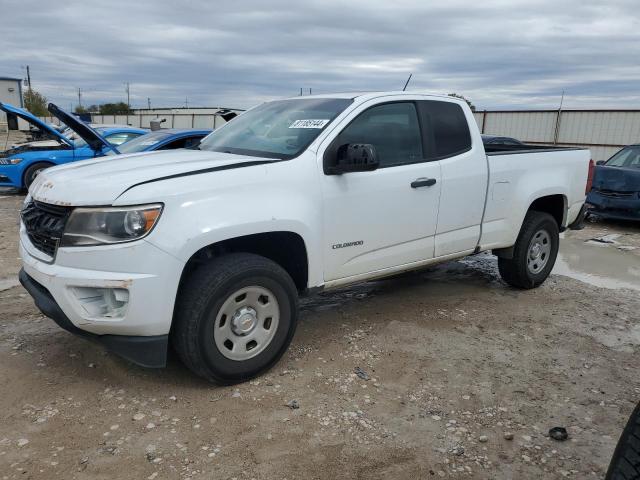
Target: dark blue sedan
column 616, row 186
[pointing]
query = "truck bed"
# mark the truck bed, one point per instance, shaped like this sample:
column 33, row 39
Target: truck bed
column 527, row 148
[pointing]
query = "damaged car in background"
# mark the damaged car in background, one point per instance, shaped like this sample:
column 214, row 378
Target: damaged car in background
column 19, row 166
column 616, row 186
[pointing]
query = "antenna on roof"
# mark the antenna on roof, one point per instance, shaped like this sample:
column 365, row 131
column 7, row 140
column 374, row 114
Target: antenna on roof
column 408, row 80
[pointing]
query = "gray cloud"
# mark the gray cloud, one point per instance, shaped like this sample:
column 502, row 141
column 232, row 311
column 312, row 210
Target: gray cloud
column 497, row 53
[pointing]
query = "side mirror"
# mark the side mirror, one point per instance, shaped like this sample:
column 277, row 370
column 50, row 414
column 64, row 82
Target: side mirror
column 601, row 162
column 354, row 157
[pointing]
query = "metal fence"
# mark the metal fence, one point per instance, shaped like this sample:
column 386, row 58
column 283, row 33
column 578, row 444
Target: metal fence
column 602, row 131
column 142, row 120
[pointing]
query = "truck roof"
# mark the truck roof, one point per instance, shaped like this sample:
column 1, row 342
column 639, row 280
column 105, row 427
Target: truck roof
column 373, row 94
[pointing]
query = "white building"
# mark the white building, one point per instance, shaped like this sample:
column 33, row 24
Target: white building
column 11, row 93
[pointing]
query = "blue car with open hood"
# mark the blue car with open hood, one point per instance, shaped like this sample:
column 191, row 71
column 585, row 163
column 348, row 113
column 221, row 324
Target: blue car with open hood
column 20, row 165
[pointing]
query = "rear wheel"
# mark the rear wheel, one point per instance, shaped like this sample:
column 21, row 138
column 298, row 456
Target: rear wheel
column 235, row 317
column 534, row 253
column 32, row 172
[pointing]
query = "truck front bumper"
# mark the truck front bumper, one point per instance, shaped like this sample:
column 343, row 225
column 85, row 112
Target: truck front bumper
column 148, row 351
column 121, row 296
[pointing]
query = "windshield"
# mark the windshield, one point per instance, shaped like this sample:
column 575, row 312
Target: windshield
column 280, row 129
column 627, row 157
column 141, row 143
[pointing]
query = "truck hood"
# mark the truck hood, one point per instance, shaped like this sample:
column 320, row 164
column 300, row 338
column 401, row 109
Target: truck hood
column 35, row 121
column 616, row 179
column 84, row 131
column 101, row 181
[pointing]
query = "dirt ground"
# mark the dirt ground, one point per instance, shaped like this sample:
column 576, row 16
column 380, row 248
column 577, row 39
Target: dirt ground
column 465, row 378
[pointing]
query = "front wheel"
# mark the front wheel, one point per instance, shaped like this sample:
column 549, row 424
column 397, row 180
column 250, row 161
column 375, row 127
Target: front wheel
column 32, row 172
column 534, row 253
column 235, row 317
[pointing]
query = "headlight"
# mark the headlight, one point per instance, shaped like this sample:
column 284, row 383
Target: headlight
column 10, row 161
column 104, row 226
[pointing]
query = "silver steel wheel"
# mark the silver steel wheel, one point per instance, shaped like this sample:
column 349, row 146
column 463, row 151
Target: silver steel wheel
column 246, row 323
column 539, row 251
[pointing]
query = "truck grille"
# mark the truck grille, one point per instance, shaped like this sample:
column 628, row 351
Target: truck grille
column 45, row 225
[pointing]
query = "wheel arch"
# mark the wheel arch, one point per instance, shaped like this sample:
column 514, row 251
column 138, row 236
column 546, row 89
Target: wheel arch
column 286, row 248
column 26, row 168
column 555, row 205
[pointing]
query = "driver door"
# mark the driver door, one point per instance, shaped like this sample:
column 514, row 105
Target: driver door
column 384, row 218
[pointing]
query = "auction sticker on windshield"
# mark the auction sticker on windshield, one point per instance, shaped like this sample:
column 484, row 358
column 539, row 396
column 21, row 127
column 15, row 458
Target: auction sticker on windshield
column 310, row 123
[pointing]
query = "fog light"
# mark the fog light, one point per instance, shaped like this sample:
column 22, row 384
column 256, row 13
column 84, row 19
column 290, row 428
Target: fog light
column 102, row 302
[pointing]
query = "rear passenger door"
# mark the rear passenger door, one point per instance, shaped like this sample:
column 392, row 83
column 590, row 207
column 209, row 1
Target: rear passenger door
column 384, row 218
column 464, row 170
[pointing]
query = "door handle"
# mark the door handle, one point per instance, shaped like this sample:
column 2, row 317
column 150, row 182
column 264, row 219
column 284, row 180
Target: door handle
column 423, row 182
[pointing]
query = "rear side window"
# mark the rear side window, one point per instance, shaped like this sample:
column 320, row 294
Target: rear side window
column 392, row 128
column 445, row 127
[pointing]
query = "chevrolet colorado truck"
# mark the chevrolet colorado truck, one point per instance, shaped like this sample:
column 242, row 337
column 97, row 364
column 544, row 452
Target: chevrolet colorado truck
column 208, row 250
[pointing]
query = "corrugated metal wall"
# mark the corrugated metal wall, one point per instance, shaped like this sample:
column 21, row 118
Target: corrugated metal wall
column 173, row 120
column 602, row 131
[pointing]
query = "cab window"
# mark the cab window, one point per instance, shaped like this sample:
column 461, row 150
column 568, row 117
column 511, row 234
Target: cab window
column 392, row 128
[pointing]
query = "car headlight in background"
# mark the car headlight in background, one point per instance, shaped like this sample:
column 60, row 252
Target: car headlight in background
column 104, row 226
column 10, row 161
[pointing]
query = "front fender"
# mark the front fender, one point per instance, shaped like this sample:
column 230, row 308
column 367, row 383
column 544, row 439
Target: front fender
column 204, row 209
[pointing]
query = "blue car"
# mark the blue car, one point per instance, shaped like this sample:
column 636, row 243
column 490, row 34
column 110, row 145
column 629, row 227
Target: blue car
column 615, row 193
column 20, row 165
column 165, row 139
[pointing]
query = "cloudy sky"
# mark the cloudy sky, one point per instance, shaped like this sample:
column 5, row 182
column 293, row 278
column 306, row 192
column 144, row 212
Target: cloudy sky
column 500, row 54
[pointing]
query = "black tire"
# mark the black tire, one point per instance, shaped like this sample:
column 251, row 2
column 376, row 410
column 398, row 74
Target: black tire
column 32, row 171
column 202, row 296
column 515, row 271
column 625, row 463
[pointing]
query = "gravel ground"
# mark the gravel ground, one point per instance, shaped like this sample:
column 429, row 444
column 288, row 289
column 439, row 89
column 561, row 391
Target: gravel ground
column 444, row 373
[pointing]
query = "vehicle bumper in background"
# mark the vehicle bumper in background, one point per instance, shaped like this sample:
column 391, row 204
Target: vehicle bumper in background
column 150, row 351
column 627, row 208
column 10, row 176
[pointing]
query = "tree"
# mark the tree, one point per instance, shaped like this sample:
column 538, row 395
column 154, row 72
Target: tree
column 462, row 97
column 80, row 109
column 115, row 108
column 93, row 109
column 36, row 103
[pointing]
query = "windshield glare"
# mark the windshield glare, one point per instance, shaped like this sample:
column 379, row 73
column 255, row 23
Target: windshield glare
column 280, row 129
column 141, row 143
column 627, row 157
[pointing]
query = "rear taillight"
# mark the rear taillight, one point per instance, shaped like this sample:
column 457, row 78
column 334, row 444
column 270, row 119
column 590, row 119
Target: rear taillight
column 592, row 167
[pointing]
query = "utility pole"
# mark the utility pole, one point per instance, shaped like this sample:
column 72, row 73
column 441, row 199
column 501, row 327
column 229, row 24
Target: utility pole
column 28, row 79
column 79, row 97
column 126, row 89
column 149, row 103
column 309, row 91
column 300, row 91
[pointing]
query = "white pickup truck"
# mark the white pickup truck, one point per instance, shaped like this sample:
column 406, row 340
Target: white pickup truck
column 209, row 249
